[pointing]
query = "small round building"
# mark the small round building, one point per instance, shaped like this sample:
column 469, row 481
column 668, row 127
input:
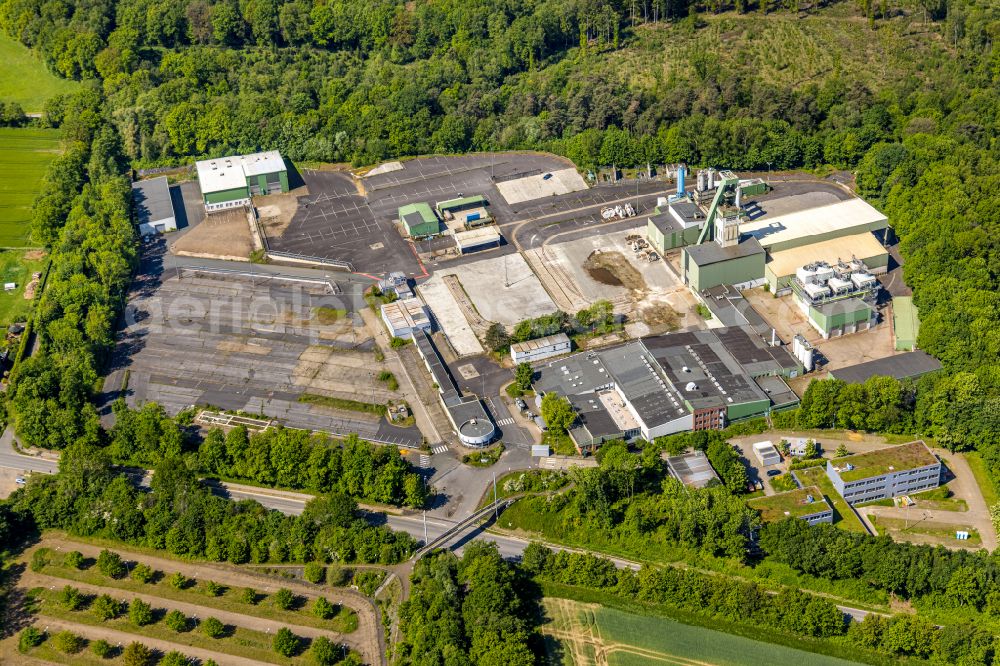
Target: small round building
column 476, row 432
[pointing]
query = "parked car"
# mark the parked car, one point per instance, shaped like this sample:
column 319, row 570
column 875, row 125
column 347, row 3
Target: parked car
column 546, row 176
column 773, row 472
column 521, row 404
column 19, row 481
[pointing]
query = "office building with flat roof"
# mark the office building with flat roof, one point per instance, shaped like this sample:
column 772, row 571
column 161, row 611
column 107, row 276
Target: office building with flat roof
column 885, row 473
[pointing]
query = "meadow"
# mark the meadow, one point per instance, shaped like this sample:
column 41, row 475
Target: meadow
column 25, row 79
column 24, row 158
column 583, row 634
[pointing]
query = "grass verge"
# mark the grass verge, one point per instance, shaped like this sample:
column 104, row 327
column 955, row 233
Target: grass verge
column 343, row 403
column 987, row 486
column 237, row 641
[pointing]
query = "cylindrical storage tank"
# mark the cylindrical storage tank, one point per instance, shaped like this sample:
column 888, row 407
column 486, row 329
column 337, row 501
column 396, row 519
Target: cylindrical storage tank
column 807, row 359
column 680, row 179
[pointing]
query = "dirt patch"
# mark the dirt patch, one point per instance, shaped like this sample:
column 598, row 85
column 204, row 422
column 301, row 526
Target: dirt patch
column 34, row 255
column 277, row 210
column 613, row 269
column 660, row 317
column 32, row 286
column 225, row 235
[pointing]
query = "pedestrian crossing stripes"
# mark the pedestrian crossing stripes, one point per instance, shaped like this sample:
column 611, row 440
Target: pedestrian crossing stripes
column 441, row 448
column 503, row 422
column 425, row 460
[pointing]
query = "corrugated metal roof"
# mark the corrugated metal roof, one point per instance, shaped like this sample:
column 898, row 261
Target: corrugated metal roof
column 258, row 164
column 863, row 246
column 900, row 366
column 152, row 200
column 840, row 216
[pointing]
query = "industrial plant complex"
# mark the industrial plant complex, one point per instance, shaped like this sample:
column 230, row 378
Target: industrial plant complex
column 721, row 295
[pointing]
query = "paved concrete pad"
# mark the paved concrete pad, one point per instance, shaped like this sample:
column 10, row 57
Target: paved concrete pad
column 449, row 316
column 538, row 186
column 503, row 289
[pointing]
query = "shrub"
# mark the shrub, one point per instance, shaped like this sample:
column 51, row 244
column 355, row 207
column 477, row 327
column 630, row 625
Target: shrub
column 137, row 654
column 67, row 642
column 101, row 648
column 337, row 576
column 284, row 598
column 110, row 564
column 74, row 559
column 314, row 572
column 105, row 608
column 142, row 573
column 176, row 620
column 29, row 638
column 178, row 581
column 173, row 658
column 213, row 589
column 71, row 598
column 368, row 581
column 249, row 596
column 285, row 642
column 212, row 627
column 324, row 652
column 140, row 613
column 40, row 559
column 323, row 609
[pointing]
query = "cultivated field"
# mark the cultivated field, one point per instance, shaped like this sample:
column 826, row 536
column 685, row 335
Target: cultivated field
column 25, row 79
column 24, row 157
column 180, row 597
column 590, row 635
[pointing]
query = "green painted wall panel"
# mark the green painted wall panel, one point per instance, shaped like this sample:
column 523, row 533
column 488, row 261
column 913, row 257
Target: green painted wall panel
column 742, row 410
column 227, row 195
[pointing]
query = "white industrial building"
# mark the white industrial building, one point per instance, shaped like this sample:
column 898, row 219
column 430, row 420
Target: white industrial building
column 542, row 348
column 154, row 210
column 402, row 318
column 766, row 454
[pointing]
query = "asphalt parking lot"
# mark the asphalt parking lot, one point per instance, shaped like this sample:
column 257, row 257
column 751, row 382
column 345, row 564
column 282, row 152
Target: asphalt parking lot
column 235, row 343
column 335, row 222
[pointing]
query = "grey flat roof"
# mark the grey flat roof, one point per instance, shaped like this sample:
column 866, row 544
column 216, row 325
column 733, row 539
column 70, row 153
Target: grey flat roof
column 900, row 366
column 665, row 222
column 777, row 390
column 729, row 307
column 641, row 379
column 438, row 369
column 152, row 200
column 468, row 410
column 689, row 212
column 712, row 253
column 692, row 469
column 650, row 373
column 716, row 372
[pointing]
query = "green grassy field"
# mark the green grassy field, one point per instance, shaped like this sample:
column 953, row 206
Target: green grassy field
column 17, row 266
column 25, row 79
column 582, row 633
column 24, row 158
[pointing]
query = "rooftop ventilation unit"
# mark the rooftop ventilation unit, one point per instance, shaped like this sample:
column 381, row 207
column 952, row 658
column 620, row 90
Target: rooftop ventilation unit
column 691, row 386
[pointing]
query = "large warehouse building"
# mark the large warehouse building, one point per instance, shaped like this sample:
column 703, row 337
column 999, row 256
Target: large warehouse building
column 229, row 182
column 693, row 380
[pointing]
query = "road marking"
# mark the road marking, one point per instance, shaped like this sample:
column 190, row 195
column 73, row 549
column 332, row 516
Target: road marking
column 425, row 460
column 503, row 422
column 441, row 448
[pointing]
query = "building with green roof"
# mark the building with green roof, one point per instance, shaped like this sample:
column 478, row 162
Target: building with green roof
column 905, row 323
column 806, row 504
column 885, row 473
column 419, row 220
